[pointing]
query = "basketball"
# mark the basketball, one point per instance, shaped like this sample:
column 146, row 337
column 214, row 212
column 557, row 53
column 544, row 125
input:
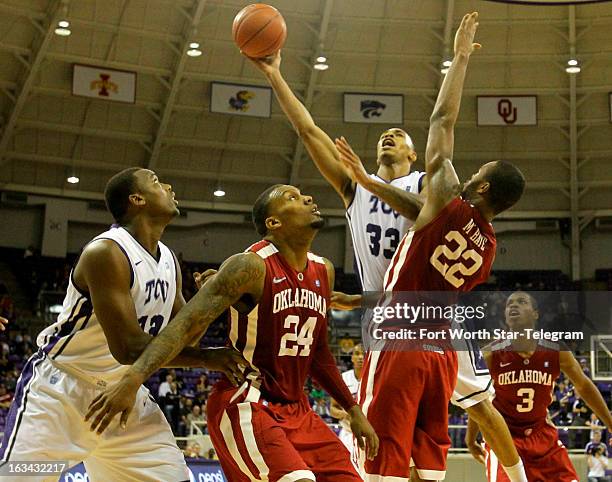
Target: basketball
column 259, row 30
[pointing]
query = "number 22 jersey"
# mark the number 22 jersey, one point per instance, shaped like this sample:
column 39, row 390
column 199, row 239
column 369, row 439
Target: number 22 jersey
column 453, row 252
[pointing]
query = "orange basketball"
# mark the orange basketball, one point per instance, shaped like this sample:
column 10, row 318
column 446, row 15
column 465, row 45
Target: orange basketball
column 259, row 30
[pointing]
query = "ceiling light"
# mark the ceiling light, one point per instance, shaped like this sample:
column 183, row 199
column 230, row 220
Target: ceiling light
column 194, row 49
column 62, row 28
column 321, row 59
column 321, row 66
column 219, row 192
column 73, row 180
column 573, row 66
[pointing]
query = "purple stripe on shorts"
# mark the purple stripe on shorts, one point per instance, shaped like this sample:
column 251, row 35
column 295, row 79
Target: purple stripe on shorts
column 18, row 405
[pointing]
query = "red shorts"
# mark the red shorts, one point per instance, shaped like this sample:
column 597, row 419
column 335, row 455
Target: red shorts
column 405, row 396
column 275, row 442
column 544, row 457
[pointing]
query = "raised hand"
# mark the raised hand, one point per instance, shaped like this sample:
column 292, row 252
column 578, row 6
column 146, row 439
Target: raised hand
column 352, row 163
column 268, row 65
column 3, row 323
column 464, row 38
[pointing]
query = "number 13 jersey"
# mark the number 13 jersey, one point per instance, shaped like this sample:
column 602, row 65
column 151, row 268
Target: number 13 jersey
column 377, row 229
column 454, row 252
column 286, row 332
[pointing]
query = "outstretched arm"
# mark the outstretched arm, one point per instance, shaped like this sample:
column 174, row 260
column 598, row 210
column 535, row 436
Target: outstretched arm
column 443, row 180
column 587, row 389
column 241, row 274
column 317, row 142
column 406, row 203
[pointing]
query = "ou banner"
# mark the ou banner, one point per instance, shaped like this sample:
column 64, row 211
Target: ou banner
column 199, row 471
column 374, row 108
column 510, row 110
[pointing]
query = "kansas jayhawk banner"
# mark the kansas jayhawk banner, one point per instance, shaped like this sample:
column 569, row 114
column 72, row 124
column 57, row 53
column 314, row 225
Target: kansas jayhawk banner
column 373, row 108
column 103, row 83
column 240, row 99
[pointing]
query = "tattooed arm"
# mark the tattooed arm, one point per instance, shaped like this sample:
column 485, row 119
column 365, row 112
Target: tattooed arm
column 241, row 274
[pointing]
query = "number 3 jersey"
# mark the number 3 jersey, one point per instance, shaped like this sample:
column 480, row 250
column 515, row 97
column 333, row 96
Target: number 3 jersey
column 377, row 229
column 76, row 340
column 523, row 386
column 284, row 337
column 454, row 252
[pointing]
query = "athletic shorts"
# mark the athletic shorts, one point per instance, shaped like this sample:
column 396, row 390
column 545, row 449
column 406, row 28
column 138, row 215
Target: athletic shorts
column 405, row 396
column 474, row 382
column 46, row 422
column 258, row 440
column 544, row 456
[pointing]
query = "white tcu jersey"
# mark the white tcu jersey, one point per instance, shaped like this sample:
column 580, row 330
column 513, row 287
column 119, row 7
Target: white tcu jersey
column 353, row 385
column 377, row 229
column 76, row 340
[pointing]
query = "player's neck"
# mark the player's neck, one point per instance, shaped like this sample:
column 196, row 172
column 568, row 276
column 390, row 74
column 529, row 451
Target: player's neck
column 147, row 232
column 358, row 373
column 388, row 172
column 294, row 252
column 524, row 346
column 484, row 209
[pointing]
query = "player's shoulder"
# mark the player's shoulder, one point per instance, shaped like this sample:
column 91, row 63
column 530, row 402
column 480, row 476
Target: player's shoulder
column 496, row 347
column 247, row 260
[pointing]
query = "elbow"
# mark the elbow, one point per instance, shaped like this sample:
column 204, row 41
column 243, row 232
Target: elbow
column 127, row 353
column 441, row 118
column 305, row 129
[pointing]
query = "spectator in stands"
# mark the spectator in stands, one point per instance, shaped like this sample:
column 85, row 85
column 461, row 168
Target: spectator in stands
column 170, row 404
column 203, row 385
column 584, row 364
column 164, row 387
column 186, row 408
column 192, row 451
column 598, row 463
column 212, row 455
column 7, row 307
column 581, row 414
column 196, row 415
column 321, row 408
column 5, row 397
column 346, row 344
column 595, row 424
column 595, row 443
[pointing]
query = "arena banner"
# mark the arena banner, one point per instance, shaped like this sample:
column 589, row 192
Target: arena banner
column 102, row 83
column 511, row 110
column 240, row 99
column 198, row 472
column 367, row 108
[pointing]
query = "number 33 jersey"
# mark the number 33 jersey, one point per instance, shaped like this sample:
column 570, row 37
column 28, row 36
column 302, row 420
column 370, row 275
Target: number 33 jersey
column 454, row 252
column 281, row 336
column 377, row 229
column 77, row 341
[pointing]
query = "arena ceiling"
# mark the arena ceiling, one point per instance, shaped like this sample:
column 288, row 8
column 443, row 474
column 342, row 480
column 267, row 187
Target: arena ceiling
column 381, row 46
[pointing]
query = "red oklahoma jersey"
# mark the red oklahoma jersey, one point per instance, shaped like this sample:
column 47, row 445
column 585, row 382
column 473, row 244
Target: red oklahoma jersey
column 523, row 386
column 453, row 252
column 286, row 333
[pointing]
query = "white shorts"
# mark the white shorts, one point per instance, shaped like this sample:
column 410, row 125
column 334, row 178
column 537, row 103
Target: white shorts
column 474, row 383
column 46, row 423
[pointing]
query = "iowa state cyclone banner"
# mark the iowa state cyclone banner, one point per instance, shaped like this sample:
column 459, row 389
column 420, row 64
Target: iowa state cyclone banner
column 510, row 110
column 240, row 99
column 373, row 108
column 105, row 84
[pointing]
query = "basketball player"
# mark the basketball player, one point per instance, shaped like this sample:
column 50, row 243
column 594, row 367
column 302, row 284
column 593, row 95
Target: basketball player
column 376, row 227
column 124, row 288
column 454, row 219
column 524, row 371
column 279, row 293
column 351, row 379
